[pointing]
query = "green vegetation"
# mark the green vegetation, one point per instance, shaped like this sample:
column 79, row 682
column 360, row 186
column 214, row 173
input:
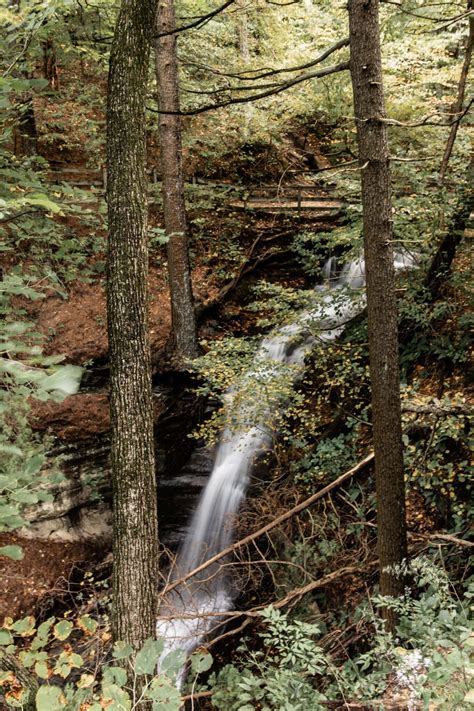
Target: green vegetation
column 253, row 272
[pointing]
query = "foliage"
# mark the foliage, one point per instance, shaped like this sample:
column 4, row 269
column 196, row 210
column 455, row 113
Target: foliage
column 24, row 477
column 427, row 659
column 69, row 680
column 437, row 455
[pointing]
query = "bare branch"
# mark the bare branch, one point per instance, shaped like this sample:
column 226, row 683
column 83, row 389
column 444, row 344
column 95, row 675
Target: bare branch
column 276, row 522
column 319, row 73
column 10, row 218
column 202, row 20
column 262, row 73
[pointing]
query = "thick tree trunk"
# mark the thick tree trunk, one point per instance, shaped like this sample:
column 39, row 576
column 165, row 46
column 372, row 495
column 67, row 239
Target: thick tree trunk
column 132, row 450
column 182, row 302
column 366, row 73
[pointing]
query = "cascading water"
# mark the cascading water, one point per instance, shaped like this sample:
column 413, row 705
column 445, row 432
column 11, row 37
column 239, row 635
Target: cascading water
column 190, row 612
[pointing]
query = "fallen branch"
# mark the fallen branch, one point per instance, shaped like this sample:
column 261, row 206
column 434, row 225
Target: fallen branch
column 434, row 409
column 245, row 268
column 432, row 538
column 276, row 522
column 207, row 305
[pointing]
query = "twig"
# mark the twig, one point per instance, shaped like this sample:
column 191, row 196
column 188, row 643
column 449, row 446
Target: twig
column 457, row 108
column 197, row 695
column 10, row 218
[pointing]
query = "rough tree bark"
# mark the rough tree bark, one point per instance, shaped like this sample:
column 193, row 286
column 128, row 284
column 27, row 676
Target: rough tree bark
column 184, row 340
column 132, row 448
column 366, row 73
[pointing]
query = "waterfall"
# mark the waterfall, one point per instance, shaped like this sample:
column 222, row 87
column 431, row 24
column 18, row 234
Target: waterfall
column 190, row 612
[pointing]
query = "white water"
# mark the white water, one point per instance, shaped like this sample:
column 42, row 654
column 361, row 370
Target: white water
column 190, row 613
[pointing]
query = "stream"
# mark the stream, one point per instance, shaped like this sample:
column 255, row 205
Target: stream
column 194, row 609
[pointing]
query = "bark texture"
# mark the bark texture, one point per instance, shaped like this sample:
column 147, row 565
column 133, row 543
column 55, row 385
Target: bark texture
column 182, row 302
column 366, row 73
column 132, row 450
column 27, row 680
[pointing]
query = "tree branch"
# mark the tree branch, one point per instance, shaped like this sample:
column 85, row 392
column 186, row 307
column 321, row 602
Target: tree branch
column 10, row 218
column 343, row 66
column 276, row 522
column 202, row 20
column 434, row 409
column 262, row 73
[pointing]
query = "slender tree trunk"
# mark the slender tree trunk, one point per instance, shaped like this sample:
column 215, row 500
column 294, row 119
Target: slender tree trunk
column 50, row 66
column 457, row 107
column 25, row 137
column 243, row 30
column 366, row 73
column 132, row 451
column 182, row 302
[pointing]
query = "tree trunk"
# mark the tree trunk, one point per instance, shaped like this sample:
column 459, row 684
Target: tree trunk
column 50, row 66
column 457, row 107
column 132, row 447
column 25, row 137
column 440, row 267
column 243, row 30
column 182, row 302
column 366, row 73
column 23, row 677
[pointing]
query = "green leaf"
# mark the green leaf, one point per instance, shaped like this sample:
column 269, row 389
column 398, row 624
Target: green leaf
column 122, row 650
column 34, row 464
column 41, row 669
column 10, row 449
column 164, row 694
column 66, row 379
column 173, row 662
column 87, row 623
column 45, row 627
column 5, row 638
column 115, row 675
column 119, row 698
column 24, row 497
column 49, row 698
column 24, row 627
column 201, row 662
column 147, row 658
column 42, row 200
column 62, row 629
column 13, row 552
